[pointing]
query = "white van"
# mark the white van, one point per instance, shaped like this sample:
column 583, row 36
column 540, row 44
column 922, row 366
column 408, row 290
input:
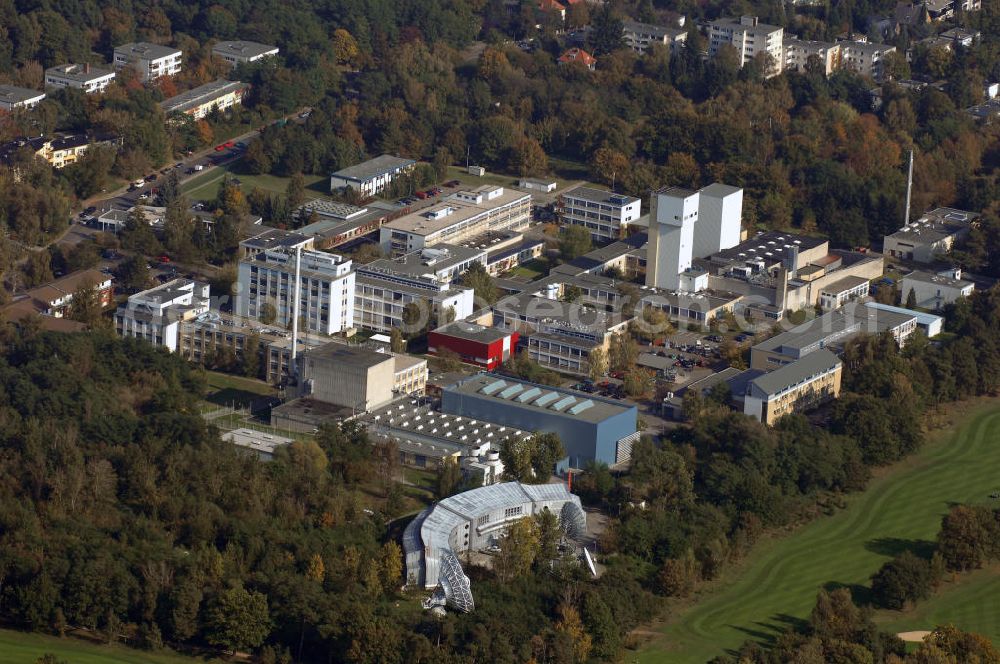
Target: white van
column 139, row 183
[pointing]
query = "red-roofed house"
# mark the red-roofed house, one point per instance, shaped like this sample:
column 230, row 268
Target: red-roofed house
column 578, row 55
column 552, row 7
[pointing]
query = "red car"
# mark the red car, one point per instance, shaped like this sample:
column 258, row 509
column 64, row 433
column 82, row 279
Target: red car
column 421, row 195
column 229, row 144
column 164, row 259
column 220, row 148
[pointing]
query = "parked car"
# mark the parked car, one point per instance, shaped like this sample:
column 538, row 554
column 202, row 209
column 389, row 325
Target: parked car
column 220, row 148
column 198, row 167
column 151, row 177
column 164, row 258
column 453, row 183
column 421, row 195
column 229, row 144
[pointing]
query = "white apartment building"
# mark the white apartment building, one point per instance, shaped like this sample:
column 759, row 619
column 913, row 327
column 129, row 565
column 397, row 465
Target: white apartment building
column 458, row 217
column 326, row 289
column 13, row 98
column 749, row 37
column 241, row 52
column 151, row 61
column 798, row 51
column 202, row 100
column 156, row 314
column 82, row 77
column 640, row 37
column 605, row 214
column 865, row 58
column 373, row 176
column 386, row 286
column 934, row 291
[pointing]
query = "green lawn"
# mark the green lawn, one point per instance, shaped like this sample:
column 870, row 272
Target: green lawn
column 530, row 270
column 26, row 648
column 776, row 588
column 235, row 391
column 970, row 601
column 206, row 186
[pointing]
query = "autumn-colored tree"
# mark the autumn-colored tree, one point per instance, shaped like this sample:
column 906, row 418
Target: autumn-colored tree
column 518, row 550
column 206, row 135
column 345, row 48
column 597, row 363
column 527, row 157
column 571, row 626
column 609, row 165
column 492, row 63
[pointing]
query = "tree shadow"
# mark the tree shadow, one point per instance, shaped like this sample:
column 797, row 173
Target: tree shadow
column 861, row 595
column 796, row 623
column 893, row 546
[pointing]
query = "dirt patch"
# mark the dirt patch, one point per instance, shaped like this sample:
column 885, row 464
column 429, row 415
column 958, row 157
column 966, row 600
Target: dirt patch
column 913, row 637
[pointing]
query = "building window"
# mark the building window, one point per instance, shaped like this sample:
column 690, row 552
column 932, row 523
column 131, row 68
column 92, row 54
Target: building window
column 512, row 511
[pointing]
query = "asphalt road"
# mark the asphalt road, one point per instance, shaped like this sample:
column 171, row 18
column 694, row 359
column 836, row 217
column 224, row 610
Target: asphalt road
column 123, row 199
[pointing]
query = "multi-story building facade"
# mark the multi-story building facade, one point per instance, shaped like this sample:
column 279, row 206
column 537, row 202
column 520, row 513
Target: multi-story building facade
column 796, row 387
column 640, row 37
column 488, row 347
column 385, row 287
column 749, row 37
column 933, row 291
column 80, row 76
column 463, row 215
column 202, row 100
column 930, row 236
column 371, row 177
column 605, row 214
column 797, row 54
column 326, row 289
column 242, row 52
column 14, row 98
column 156, row 314
column 150, row 61
column 865, row 58
column 557, row 334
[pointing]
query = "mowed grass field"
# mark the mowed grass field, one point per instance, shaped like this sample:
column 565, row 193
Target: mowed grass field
column 776, row 587
column 25, row 648
column 206, row 186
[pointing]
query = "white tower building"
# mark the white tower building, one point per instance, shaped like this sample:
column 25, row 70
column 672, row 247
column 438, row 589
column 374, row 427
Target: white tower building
column 719, row 216
column 671, row 236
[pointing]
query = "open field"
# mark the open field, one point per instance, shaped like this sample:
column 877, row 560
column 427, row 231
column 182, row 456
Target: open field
column 776, row 587
column 235, row 391
column 26, row 648
column 206, row 186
